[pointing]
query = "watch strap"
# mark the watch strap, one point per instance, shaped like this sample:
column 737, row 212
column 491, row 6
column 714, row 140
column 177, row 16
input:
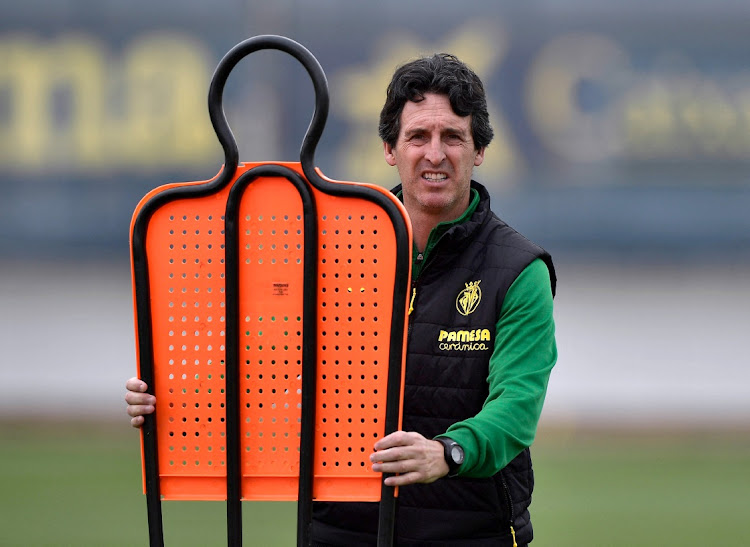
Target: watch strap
column 448, row 447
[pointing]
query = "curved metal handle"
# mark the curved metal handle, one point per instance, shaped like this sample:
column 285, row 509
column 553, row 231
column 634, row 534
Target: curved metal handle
column 227, row 64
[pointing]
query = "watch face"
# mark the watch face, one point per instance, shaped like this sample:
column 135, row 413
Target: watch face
column 457, row 454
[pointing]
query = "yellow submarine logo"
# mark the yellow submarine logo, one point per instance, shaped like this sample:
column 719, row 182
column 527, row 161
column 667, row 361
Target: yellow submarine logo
column 469, row 298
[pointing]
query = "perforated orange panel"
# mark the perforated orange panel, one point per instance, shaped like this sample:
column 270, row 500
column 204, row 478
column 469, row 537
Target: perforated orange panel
column 355, row 306
column 185, row 250
column 356, row 273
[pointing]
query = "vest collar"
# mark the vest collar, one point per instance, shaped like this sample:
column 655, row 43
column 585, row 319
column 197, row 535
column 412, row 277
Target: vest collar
column 465, row 227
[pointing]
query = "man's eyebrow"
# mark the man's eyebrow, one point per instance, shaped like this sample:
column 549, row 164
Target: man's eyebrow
column 413, row 131
column 446, row 131
column 456, row 130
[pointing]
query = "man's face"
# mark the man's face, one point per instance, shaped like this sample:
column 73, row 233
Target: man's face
column 435, row 156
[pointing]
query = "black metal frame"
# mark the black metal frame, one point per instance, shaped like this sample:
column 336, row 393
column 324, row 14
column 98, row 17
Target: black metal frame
column 386, row 522
column 309, row 351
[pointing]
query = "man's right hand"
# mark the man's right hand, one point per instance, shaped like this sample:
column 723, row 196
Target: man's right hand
column 139, row 402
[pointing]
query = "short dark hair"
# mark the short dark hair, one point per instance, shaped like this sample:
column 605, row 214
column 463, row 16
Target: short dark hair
column 444, row 74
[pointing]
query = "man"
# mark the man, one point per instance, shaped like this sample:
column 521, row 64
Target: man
column 481, row 340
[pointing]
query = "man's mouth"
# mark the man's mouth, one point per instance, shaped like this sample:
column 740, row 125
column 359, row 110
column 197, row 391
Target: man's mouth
column 435, row 177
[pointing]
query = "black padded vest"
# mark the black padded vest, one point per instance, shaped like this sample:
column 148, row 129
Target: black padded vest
column 459, row 295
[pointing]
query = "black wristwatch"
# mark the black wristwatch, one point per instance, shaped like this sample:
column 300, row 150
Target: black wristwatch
column 454, row 454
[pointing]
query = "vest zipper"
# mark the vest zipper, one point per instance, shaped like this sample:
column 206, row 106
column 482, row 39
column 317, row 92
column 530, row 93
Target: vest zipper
column 510, row 508
column 419, row 259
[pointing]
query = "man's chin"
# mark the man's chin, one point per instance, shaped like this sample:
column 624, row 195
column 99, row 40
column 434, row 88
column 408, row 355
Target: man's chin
column 438, row 205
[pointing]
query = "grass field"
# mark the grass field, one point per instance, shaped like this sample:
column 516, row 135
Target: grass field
column 79, row 485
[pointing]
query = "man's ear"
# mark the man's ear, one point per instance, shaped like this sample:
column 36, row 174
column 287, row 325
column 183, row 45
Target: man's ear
column 390, row 158
column 479, row 158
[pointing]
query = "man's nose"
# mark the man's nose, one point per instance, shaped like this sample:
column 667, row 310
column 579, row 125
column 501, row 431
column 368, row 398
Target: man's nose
column 435, row 153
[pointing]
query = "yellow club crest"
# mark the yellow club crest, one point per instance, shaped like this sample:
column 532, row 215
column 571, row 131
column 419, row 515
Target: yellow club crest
column 469, row 298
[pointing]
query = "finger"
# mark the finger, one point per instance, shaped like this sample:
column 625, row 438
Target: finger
column 140, row 410
column 136, row 384
column 403, row 480
column 389, row 441
column 133, row 398
column 137, row 421
column 393, row 466
column 397, row 453
column 385, row 455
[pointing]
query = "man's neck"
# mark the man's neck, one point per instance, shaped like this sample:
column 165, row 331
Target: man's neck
column 423, row 221
column 422, row 224
column 421, row 228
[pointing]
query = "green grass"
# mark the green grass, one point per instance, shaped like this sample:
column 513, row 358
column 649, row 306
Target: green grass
column 605, row 491
column 79, row 485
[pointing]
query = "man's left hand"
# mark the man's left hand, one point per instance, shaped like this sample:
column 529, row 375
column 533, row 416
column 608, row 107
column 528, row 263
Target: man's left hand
column 415, row 458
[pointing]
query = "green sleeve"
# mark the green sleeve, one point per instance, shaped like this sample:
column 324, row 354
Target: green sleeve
column 519, row 369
